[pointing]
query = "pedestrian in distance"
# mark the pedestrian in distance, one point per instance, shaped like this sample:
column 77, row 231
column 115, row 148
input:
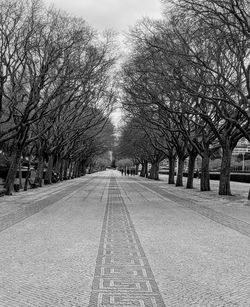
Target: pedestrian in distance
column 122, row 171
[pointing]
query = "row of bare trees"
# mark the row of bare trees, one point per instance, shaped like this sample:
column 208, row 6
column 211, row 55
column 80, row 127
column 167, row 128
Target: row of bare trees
column 56, row 89
column 186, row 83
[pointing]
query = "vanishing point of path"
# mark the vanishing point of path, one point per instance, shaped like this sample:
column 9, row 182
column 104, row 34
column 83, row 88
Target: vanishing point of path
column 104, row 240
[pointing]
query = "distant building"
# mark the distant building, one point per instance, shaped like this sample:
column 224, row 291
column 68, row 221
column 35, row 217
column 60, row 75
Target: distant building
column 243, row 146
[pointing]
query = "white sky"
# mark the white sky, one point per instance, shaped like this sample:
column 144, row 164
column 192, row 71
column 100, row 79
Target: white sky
column 110, row 14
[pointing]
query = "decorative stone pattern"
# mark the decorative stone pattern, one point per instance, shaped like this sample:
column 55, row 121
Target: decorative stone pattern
column 123, row 276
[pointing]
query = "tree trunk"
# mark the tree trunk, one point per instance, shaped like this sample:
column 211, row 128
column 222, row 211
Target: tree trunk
column 191, row 167
column 71, row 167
column 136, row 169
column 61, row 169
column 65, row 171
column 78, row 174
column 58, row 164
column 90, row 167
column 76, row 169
column 171, row 161
column 50, row 169
column 179, row 179
column 39, row 172
column 224, row 186
column 27, row 176
column 15, row 158
column 20, row 174
column 205, row 179
column 144, row 171
column 154, row 171
column 83, row 168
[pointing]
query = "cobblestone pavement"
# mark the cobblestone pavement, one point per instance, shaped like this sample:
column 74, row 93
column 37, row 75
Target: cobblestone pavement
column 215, row 215
column 123, row 276
column 15, row 209
column 48, row 258
column 196, row 261
column 113, row 241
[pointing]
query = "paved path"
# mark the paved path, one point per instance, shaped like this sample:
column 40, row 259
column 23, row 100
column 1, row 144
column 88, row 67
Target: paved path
column 105, row 240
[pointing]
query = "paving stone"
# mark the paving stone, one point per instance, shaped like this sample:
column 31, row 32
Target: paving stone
column 123, row 276
column 135, row 242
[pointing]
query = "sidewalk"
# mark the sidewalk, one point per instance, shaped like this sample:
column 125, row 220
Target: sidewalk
column 110, row 240
column 23, row 204
column 197, row 259
column 237, row 206
column 48, row 259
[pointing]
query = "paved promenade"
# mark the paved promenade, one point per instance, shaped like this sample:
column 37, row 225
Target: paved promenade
column 106, row 240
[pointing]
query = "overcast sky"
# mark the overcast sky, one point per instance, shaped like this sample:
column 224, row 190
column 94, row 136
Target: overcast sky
column 117, row 15
column 110, row 14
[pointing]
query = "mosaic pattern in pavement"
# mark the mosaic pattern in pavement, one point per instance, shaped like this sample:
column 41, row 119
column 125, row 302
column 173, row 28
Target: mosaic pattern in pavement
column 123, row 276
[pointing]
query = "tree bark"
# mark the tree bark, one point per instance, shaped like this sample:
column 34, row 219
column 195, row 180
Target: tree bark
column 20, row 174
column 90, row 167
column 50, row 169
column 142, row 173
column 224, row 186
column 39, row 172
column 171, row 161
column 191, row 167
column 76, row 169
column 154, row 171
column 27, row 176
column 144, row 170
column 58, row 164
column 179, row 179
column 71, row 167
column 136, row 169
column 205, row 179
column 65, row 170
column 83, row 168
column 61, row 169
column 15, row 158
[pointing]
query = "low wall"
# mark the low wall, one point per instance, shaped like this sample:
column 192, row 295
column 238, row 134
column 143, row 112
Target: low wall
column 238, row 177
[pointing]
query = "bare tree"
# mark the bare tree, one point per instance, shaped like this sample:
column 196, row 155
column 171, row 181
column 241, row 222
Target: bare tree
column 53, row 60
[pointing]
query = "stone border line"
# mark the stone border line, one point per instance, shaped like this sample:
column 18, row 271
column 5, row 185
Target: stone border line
column 216, row 216
column 123, row 276
column 21, row 214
